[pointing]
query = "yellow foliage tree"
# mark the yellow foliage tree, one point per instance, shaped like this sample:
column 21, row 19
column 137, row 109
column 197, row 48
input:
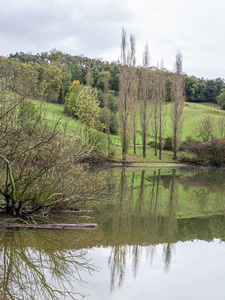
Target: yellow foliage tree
column 71, row 98
column 88, row 110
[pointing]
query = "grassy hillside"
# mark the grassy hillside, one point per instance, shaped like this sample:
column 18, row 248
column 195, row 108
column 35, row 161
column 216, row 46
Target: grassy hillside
column 193, row 113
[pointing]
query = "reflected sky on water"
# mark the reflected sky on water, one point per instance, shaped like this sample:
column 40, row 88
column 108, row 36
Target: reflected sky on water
column 196, row 271
column 161, row 236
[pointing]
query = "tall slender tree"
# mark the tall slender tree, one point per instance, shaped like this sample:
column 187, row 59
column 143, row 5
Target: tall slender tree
column 178, row 99
column 162, row 102
column 155, row 106
column 107, row 112
column 135, row 99
column 127, row 93
column 144, row 95
column 158, row 103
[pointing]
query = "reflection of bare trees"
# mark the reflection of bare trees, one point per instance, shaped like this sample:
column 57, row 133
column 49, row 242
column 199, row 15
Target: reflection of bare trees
column 171, row 227
column 137, row 222
column 167, row 255
column 122, row 212
column 201, row 195
column 155, row 193
column 39, row 273
column 117, row 259
column 117, row 263
column 137, row 217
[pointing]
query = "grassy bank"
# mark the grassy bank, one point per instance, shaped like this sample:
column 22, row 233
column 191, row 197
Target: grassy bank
column 193, row 113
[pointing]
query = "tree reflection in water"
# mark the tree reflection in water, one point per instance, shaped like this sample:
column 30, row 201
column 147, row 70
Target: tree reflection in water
column 43, row 270
column 152, row 208
column 137, row 217
column 172, row 219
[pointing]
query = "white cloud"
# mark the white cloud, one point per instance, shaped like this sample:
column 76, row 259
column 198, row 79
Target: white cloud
column 93, row 28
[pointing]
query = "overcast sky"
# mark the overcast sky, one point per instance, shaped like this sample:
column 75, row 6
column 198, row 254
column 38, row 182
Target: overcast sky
column 93, row 28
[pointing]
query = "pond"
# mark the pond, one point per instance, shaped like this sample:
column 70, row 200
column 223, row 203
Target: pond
column 161, row 235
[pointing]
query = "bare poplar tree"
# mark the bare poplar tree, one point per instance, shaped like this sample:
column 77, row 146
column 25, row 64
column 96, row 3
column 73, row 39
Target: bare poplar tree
column 145, row 97
column 135, row 99
column 158, row 106
column 127, row 93
column 107, row 111
column 155, row 106
column 162, row 102
column 178, row 99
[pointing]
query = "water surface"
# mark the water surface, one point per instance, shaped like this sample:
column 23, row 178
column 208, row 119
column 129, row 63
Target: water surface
column 161, row 236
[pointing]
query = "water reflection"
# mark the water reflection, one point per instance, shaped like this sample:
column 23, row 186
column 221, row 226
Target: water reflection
column 136, row 215
column 43, row 270
column 151, row 210
column 148, row 211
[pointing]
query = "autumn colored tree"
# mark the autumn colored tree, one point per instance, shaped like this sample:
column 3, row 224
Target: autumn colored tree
column 87, row 107
column 71, row 98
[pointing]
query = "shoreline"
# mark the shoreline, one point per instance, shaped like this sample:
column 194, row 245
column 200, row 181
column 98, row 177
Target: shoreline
column 106, row 162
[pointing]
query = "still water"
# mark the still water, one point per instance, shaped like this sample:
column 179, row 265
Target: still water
column 161, row 235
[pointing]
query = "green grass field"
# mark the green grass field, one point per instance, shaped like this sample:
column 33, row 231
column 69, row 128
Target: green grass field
column 193, row 113
column 54, row 112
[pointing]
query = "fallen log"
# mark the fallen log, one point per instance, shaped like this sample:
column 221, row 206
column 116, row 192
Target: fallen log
column 49, row 226
column 73, row 211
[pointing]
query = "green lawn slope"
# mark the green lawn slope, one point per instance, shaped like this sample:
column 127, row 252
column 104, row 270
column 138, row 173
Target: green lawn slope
column 193, row 113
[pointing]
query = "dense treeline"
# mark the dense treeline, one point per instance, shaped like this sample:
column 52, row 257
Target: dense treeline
column 64, row 68
column 72, row 68
column 201, row 90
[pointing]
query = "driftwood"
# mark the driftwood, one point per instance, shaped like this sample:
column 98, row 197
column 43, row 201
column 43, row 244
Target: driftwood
column 49, row 226
column 73, row 211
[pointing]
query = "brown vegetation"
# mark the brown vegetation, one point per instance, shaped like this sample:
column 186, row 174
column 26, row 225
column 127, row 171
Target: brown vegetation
column 211, row 153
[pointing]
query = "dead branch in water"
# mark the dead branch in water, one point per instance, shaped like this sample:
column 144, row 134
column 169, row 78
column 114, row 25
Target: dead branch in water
column 49, row 226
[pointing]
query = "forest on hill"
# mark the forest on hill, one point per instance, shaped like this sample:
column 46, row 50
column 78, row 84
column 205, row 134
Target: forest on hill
column 64, row 68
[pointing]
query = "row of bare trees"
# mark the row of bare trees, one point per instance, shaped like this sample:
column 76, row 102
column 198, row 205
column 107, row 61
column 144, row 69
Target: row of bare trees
column 145, row 91
column 128, row 82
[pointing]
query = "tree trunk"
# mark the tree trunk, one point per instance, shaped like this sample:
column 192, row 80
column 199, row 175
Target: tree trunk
column 160, row 131
column 49, row 226
column 144, row 144
column 134, row 136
